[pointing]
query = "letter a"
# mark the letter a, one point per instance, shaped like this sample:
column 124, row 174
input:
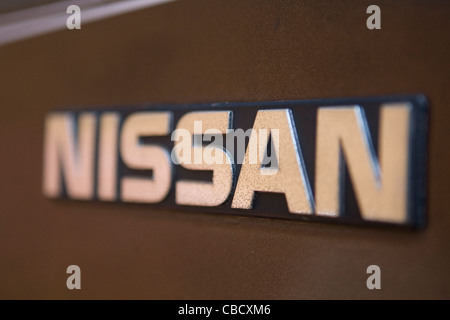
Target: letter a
column 74, row 281
column 374, row 281
column 74, row 21
column 374, row 21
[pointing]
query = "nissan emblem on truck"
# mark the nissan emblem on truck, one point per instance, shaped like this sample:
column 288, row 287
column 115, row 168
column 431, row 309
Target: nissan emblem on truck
column 352, row 160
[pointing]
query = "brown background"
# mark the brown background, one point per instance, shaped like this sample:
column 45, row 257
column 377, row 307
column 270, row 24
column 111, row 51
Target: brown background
column 208, row 51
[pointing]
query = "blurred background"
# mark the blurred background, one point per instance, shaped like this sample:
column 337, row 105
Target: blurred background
column 185, row 52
